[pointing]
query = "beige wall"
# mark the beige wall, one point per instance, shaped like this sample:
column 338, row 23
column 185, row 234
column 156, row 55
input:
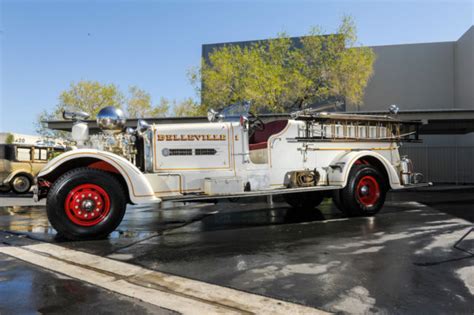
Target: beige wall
column 413, row 76
column 423, row 76
column 464, row 71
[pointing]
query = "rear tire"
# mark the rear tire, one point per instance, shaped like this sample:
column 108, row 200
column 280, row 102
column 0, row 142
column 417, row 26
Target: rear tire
column 21, row 184
column 86, row 204
column 306, row 200
column 364, row 194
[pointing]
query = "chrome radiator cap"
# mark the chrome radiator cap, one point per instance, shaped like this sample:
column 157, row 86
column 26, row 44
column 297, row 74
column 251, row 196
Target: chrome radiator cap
column 111, row 118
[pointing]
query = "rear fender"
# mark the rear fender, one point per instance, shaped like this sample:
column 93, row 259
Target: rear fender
column 340, row 167
column 16, row 172
column 139, row 189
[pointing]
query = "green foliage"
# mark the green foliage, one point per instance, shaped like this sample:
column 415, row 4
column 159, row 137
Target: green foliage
column 186, row 108
column 10, row 138
column 139, row 105
column 280, row 75
column 92, row 96
column 89, row 96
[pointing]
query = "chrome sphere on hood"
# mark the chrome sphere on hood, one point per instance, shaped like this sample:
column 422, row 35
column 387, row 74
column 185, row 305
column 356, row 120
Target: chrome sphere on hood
column 111, row 118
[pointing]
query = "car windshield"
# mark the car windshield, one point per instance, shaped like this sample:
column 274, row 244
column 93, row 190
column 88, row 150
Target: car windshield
column 234, row 111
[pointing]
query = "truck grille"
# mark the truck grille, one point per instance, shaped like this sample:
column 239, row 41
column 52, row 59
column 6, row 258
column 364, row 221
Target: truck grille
column 205, row 151
column 180, row 151
column 177, row 152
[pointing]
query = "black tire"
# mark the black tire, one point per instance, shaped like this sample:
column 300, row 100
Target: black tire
column 364, row 194
column 306, row 200
column 21, row 184
column 67, row 221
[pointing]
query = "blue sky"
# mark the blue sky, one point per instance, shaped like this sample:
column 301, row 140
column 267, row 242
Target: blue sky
column 45, row 45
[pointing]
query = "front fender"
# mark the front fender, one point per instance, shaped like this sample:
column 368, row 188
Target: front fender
column 140, row 190
column 340, row 167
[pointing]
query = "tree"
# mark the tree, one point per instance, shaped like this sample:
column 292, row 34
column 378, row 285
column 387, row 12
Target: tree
column 139, row 105
column 284, row 74
column 10, row 138
column 89, row 96
column 92, row 96
column 185, row 108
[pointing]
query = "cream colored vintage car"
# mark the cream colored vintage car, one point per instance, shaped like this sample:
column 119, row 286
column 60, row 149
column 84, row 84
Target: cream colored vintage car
column 20, row 163
column 352, row 158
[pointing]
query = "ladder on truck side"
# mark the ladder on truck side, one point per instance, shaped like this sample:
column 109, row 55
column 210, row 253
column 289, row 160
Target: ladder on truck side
column 342, row 127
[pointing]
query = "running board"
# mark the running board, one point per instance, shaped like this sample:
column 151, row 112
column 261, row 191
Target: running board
column 420, row 185
column 269, row 192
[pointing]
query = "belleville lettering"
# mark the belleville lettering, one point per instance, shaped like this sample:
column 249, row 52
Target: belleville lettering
column 191, row 137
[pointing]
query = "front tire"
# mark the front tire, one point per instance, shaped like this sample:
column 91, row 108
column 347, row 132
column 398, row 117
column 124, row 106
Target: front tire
column 86, row 204
column 306, row 200
column 364, row 194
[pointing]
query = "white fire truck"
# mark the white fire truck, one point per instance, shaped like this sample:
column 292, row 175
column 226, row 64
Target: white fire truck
column 352, row 158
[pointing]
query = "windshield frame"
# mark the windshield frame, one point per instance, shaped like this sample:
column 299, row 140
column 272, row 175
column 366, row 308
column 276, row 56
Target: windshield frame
column 234, row 111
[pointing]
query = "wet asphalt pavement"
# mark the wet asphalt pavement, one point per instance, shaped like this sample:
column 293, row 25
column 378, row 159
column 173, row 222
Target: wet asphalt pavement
column 401, row 261
column 25, row 289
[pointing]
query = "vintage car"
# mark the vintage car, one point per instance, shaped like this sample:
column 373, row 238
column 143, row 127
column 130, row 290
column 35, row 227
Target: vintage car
column 20, row 163
column 352, row 158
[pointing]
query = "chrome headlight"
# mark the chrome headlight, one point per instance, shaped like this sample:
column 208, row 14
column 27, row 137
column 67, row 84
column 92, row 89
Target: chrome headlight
column 142, row 126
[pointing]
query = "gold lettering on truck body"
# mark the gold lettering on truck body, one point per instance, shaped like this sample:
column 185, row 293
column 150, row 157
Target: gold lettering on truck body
column 189, row 137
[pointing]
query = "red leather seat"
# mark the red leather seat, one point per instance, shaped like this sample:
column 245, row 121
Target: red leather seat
column 259, row 139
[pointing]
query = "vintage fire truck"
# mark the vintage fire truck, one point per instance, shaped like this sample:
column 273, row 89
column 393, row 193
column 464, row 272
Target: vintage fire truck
column 352, row 158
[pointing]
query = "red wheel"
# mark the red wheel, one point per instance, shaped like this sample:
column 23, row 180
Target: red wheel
column 87, row 205
column 368, row 191
column 364, row 193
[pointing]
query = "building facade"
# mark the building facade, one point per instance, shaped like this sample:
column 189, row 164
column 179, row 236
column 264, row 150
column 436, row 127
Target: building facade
column 423, row 76
column 16, row 138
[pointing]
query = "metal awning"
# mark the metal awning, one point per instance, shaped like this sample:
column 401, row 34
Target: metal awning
column 439, row 121
column 435, row 122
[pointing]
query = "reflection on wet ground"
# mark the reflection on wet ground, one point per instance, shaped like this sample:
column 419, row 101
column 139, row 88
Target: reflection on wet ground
column 142, row 223
column 398, row 262
column 25, row 219
column 145, row 222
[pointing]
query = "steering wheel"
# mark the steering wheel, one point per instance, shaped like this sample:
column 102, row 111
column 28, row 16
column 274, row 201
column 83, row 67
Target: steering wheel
column 255, row 124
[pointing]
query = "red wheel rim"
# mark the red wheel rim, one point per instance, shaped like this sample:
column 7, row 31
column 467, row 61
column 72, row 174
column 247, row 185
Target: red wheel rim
column 87, row 205
column 368, row 191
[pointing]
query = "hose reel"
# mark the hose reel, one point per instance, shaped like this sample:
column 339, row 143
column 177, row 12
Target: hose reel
column 304, row 178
